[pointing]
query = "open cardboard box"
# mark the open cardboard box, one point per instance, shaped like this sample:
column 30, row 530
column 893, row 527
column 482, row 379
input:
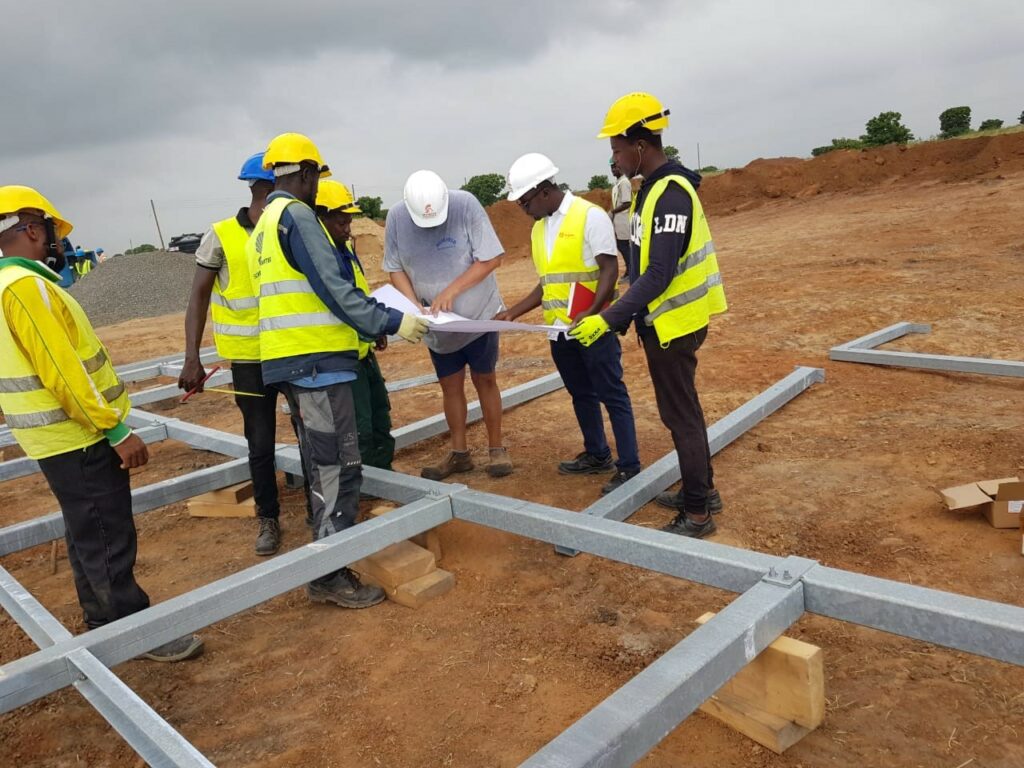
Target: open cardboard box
column 1001, row 501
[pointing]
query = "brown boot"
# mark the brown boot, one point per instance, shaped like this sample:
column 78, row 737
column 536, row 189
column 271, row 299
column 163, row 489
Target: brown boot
column 499, row 464
column 455, row 461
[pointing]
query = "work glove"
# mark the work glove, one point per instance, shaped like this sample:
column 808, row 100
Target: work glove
column 413, row 328
column 589, row 330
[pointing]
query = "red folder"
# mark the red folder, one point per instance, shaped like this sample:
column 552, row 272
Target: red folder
column 581, row 299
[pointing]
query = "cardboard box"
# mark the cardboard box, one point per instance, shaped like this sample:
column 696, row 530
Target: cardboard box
column 1001, row 501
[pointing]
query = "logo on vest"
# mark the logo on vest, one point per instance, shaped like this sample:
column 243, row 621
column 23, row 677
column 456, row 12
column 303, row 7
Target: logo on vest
column 674, row 222
column 446, row 243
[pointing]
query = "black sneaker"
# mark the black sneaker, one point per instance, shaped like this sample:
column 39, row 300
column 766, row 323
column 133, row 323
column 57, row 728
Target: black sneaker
column 618, row 479
column 187, row 647
column 344, row 588
column 684, row 525
column 586, row 464
column 268, row 540
column 671, row 500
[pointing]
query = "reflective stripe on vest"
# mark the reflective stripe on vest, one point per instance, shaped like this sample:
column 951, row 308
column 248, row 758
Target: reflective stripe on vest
column 564, row 266
column 234, row 306
column 695, row 292
column 292, row 320
column 36, row 418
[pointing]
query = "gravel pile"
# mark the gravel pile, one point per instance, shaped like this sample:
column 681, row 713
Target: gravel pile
column 130, row 287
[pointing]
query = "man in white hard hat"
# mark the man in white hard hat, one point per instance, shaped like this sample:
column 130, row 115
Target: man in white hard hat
column 573, row 245
column 441, row 251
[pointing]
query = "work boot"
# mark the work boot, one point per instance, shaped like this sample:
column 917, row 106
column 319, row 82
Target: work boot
column 618, row 479
column 455, row 461
column 498, row 463
column 671, row 500
column 187, row 647
column 344, row 588
column 268, row 540
column 685, row 525
column 586, row 464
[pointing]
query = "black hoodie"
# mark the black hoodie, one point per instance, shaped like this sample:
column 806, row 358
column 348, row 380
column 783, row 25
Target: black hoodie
column 667, row 246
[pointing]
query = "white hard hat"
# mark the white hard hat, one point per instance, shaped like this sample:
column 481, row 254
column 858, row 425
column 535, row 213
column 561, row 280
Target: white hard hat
column 529, row 171
column 426, row 197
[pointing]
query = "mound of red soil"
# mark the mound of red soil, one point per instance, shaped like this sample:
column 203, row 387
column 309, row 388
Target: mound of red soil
column 985, row 157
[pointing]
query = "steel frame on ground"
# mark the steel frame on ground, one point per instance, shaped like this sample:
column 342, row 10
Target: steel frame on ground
column 775, row 592
column 863, row 350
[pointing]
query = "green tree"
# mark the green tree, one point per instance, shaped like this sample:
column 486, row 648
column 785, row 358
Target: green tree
column 886, row 128
column 988, row 125
column 144, row 248
column 599, row 181
column 709, row 169
column 1021, row 118
column 372, row 207
column 488, row 188
column 564, row 187
column 838, row 144
column 671, row 152
column 954, row 121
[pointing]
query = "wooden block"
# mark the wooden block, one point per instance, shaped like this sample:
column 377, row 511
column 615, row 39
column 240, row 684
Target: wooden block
column 246, row 508
column 787, row 679
column 396, row 565
column 379, row 510
column 771, row 731
column 418, row 592
column 231, row 495
column 429, row 540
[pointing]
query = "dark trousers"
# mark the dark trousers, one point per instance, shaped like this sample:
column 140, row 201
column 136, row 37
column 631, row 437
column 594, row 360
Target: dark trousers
column 673, row 372
column 373, row 414
column 623, row 246
column 330, row 449
column 96, row 502
column 593, row 375
column 259, row 422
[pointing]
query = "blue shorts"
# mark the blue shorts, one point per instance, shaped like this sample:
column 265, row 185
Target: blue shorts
column 481, row 355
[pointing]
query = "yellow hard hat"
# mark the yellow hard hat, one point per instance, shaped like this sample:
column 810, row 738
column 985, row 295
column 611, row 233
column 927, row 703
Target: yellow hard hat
column 14, row 199
column 333, row 195
column 634, row 110
column 292, row 149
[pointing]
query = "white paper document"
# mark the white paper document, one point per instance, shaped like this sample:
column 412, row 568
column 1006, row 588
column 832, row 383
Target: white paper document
column 449, row 321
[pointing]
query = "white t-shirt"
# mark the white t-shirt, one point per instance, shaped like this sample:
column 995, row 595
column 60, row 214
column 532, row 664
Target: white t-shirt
column 621, row 192
column 598, row 239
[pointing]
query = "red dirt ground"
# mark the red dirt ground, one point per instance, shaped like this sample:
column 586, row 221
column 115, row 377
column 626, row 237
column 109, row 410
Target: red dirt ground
column 529, row 641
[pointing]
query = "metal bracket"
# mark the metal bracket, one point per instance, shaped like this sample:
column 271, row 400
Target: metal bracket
column 789, row 572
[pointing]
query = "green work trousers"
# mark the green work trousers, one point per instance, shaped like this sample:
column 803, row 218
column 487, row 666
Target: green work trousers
column 373, row 414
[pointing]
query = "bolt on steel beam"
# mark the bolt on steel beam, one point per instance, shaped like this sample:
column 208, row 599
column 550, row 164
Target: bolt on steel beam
column 863, row 350
column 633, row 720
column 152, row 737
column 634, row 493
column 45, row 671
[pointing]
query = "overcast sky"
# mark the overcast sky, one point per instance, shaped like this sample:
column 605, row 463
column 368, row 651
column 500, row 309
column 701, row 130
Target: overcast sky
column 109, row 103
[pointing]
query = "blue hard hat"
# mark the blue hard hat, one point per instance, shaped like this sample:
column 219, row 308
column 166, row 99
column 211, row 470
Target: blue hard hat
column 252, row 170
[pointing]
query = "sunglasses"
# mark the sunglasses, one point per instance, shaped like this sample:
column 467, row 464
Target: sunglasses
column 524, row 201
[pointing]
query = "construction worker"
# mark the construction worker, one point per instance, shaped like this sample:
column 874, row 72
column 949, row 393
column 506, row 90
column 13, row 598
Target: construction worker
column 622, row 198
column 222, row 276
column 441, row 250
column 573, row 245
column 311, row 321
column 66, row 406
column 335, row 206
column 675, row 288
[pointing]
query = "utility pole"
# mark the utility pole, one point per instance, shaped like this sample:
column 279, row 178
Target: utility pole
column 699, row 166
column 158, row 232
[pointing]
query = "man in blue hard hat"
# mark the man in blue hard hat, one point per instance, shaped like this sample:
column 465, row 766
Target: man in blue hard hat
column 222, row 278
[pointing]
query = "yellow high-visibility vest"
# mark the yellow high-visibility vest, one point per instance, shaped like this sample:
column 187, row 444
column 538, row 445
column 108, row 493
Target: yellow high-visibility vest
column 37, row 420
column 696, row 292
column 234, row 307
column 292, row 318
column 361, row 284
column 564, row 265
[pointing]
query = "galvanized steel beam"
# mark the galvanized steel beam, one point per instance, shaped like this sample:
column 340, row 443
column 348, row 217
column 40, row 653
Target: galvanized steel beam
column 45, row 671
column 863, row 350
column 631, row 722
